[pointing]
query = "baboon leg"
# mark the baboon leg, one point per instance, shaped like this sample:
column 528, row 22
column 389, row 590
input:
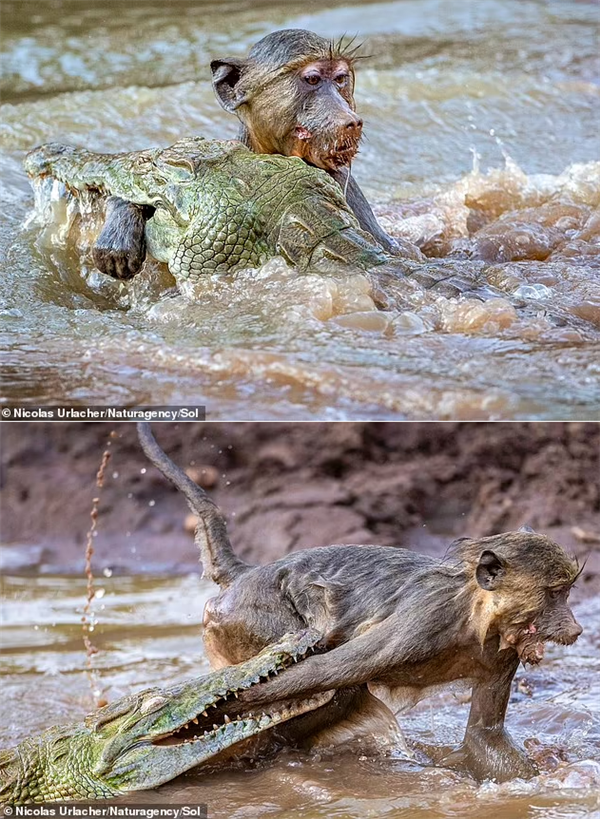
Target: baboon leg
column 366, row 718
column 367, row 657
column 358, row 203
column 237, row 627
column 487, row 751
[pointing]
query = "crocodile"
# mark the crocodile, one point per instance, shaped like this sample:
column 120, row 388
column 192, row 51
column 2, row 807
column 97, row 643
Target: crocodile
column 218, row 207
column 148, row 738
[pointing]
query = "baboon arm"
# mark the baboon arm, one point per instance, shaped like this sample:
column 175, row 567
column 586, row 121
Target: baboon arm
column 487, row 751
column 490, row 695
column 357, row 201
column 120, row 248
column 359, row 660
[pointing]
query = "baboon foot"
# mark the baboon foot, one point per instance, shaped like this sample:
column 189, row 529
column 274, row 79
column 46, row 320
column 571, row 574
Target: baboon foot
column 491, row 754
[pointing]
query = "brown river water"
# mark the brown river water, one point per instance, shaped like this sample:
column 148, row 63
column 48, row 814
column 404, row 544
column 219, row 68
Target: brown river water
column 481, row 122
column 148, row 631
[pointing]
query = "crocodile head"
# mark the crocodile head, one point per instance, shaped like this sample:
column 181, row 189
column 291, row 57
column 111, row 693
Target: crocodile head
column 148, row 738
column 157, row 734
column 169, row 178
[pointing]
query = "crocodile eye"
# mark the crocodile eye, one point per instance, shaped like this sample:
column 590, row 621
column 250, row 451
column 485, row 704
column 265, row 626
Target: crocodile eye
column 179, row 169
column 152, row 704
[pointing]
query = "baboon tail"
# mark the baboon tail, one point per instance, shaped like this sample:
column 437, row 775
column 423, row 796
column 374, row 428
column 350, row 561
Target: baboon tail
column 218, row 559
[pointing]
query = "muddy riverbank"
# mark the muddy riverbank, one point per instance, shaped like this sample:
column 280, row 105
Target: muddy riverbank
column 290, row 486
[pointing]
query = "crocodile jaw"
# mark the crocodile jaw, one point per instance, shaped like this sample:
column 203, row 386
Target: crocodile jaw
column 149, row 765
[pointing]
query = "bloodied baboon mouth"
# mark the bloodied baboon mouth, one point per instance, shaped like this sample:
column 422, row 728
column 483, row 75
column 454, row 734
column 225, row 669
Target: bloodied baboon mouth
column 343, row 153
column 326, row 154
column 530, row 643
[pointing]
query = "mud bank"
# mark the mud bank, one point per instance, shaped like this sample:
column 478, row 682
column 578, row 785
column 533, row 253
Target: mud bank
column 292, row 486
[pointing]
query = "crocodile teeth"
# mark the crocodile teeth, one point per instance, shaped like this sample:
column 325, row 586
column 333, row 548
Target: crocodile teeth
column 215, row 727
column 195, row 720
column 237, row 696
column 204, row 714
column 227, row 718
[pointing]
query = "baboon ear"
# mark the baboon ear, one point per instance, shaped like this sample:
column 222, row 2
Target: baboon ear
column 490, row 570
column 527, row 529
column 225, row 76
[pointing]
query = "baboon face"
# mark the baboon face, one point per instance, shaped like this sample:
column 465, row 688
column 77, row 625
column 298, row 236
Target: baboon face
column 530, row 578
column 294, row 94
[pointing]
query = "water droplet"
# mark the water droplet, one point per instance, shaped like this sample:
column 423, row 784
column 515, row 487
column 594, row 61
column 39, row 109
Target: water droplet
column 152, row 503
column 107, row 572
column 143, row 470
column 532, row 291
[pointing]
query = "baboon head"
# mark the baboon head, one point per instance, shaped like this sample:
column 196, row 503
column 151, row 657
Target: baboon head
column 294, row 96
column 523, row 583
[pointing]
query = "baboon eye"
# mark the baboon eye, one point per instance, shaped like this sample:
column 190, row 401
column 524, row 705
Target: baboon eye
column 554, row 594
column 312, row 79
column 341, row 80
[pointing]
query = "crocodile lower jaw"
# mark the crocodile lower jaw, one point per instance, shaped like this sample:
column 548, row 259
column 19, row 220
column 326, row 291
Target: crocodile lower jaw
column 199, row 729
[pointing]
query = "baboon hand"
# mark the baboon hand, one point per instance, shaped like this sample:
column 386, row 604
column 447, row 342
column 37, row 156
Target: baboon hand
column 121, row 246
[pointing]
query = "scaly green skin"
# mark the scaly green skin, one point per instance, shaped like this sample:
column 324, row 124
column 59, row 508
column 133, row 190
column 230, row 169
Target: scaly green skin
column 114, row 751
column 220, row 207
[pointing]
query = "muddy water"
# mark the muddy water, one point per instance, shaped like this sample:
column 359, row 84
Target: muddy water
column 481, row 146
column 148, row 632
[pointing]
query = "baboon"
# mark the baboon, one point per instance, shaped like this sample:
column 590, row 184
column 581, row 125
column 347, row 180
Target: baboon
column 293, row 95
column 393, row 623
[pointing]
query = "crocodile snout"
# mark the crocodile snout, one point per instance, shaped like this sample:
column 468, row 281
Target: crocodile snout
column 39, row 161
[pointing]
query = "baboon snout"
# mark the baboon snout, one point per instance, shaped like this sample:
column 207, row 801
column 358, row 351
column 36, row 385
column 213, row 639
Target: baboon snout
column 566, row 629
column 572, row 631
column 353, row 123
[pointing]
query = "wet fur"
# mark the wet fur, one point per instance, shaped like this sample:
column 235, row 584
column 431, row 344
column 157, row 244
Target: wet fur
column 393, row 622
column 262, row 91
